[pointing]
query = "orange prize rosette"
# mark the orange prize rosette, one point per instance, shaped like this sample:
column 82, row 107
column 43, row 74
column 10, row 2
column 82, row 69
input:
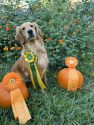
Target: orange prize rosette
column 13, row 94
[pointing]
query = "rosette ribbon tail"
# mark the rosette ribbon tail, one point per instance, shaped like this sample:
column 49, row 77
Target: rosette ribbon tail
column 37, row 82
column 73, row 79
column 19, row 106
column 35, row 77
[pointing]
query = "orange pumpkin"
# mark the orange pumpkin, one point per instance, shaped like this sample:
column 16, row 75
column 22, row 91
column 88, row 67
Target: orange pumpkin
column 70, row 78
column 4, row 97
column 5, row 100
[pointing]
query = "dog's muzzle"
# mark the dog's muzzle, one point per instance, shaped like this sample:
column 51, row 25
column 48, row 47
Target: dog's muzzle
column 31, row 34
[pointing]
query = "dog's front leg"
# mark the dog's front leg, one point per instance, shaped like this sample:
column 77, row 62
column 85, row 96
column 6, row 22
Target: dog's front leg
column 44, row 79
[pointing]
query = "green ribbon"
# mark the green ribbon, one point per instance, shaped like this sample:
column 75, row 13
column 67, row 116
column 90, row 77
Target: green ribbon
column 30, row 58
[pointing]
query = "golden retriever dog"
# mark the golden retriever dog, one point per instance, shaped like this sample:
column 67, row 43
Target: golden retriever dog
column 29, row 36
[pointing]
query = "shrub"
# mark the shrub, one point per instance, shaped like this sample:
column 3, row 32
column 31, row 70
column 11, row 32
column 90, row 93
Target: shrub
column 75, row 27
column 66, row 31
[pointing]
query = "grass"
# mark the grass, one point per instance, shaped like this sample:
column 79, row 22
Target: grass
column 57, row 106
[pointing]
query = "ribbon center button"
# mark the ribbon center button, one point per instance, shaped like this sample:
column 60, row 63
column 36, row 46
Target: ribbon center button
column 12, row 81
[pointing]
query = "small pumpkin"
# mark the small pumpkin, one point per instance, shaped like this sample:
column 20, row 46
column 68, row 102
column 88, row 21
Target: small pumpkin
column 70, row 78
column 5, row 100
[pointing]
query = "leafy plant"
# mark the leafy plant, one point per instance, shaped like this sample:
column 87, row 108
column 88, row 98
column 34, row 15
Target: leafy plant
column 66, row 31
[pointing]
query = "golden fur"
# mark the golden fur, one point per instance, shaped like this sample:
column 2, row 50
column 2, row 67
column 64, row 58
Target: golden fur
column 36, row 45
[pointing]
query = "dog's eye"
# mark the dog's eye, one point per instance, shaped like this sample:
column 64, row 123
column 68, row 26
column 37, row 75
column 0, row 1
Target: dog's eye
column 23, row 28
column 31, row 25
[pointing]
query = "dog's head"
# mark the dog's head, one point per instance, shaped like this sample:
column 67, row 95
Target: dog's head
column 28, row 32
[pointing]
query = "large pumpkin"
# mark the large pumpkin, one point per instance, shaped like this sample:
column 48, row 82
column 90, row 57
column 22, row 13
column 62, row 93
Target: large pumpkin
column 5, row 100
column 70, row 78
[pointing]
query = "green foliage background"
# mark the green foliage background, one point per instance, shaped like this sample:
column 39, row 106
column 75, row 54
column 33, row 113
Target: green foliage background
column 58, row 21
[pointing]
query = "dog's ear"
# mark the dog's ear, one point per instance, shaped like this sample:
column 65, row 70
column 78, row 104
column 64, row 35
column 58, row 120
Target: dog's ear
column 19, row 37
column 38, row 30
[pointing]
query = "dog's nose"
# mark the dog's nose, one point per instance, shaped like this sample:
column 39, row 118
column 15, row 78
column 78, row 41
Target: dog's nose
column 30, row 32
